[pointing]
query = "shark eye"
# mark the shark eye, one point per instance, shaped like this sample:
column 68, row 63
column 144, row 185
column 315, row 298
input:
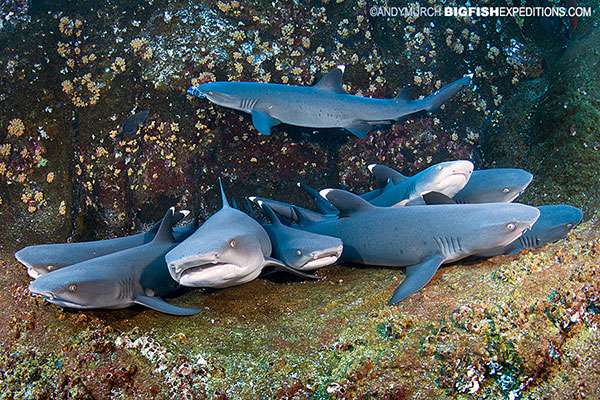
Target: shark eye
column 72, row 287
column 298, row 252
column 232, row 243
column 510, row 226
column 505, row 190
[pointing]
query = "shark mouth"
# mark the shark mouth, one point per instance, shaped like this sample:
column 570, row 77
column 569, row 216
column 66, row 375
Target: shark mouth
column 323, row 259
column 51, row 298
column 191, row 269
column 33, row 273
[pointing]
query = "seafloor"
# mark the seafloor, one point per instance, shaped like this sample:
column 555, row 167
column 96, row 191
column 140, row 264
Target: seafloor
column 510, row 327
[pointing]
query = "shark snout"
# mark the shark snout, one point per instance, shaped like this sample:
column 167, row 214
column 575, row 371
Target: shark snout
column 461, row 167
column 182, row 264
column 527, row 218
column 39, row 289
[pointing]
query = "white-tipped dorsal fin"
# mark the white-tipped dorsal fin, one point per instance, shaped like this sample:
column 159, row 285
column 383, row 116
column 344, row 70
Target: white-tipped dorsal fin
column 383, row 173
column 164, row 232
column 270, row 213
column 224, row 201
column 332, row 81
column 348, row 203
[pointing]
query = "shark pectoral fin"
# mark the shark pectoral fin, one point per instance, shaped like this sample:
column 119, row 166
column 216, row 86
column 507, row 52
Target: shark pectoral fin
column 432, row 198
column 359, row 129
column 417, row 276
column 279, row 266
column 159, row 304
column 263, row 122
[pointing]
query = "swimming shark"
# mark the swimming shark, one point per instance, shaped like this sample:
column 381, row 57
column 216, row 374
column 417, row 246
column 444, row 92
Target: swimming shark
column 302, row 250
column 447, row 177
column 494, row 185
column 230, row 248
column 420, row 238
column 137, row 275
column 44, row 258
column 323, row 105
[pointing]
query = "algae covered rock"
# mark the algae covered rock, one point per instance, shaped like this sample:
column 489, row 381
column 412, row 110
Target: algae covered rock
column 522, row 326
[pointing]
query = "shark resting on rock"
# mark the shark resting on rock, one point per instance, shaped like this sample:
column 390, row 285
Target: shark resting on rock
column 324, row 105
column 420, row 238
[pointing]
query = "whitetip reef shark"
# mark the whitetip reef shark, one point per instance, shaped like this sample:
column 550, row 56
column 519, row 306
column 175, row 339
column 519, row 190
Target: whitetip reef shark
column 299, row 249
column 493, row 185
column 137, row 275
column 45, row 258
column 230, row 248
column 324, row 105
column 420, row 238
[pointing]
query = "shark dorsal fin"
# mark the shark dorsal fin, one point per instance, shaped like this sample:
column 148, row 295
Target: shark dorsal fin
column 433, row 198
column 301, row 217
column 225, row 203
column 332, row 81
column 270, row 213
column 348, row 203
column 248, row 208
column 404, row 95
column 165, row 232
column 383, row 173
column 323, row 205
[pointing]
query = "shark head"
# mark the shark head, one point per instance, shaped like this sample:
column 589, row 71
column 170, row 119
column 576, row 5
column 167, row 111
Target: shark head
column 225, row 94
column 80, row 288
column 41, row 259
column 217, row 260
column 495, row 185
column 307, row 251
column 555, row 222
column 497, row 225
column 446, row 177
column 228, row 249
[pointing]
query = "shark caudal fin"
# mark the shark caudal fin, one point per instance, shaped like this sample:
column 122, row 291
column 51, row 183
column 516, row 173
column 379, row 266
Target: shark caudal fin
column 436, row 99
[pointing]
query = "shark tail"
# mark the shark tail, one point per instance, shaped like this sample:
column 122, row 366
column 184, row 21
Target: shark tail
column 436, row 99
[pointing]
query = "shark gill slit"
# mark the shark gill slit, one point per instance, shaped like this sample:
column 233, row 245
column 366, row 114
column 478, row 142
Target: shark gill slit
column 449, row 245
